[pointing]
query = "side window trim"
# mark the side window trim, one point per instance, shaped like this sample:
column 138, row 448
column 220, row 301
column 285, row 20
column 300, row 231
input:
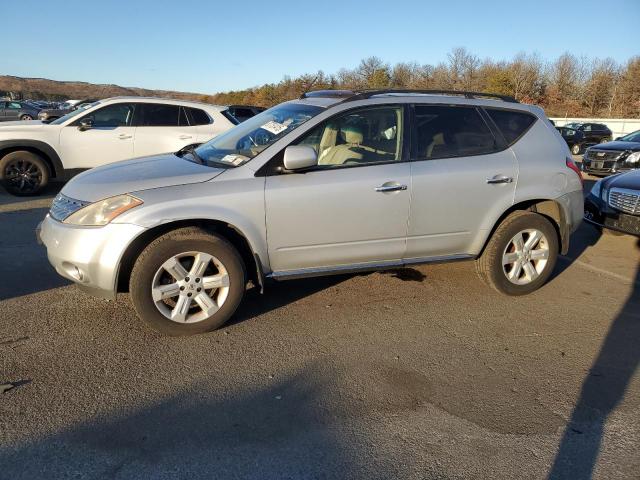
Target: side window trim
column 497, row 136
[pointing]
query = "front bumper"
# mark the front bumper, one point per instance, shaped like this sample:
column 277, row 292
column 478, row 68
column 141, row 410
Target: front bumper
column 597, row 212
column 88, row 256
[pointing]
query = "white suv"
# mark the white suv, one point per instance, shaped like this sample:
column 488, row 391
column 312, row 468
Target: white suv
column 104, row 132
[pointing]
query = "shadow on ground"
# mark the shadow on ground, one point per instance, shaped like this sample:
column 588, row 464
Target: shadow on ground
column 282, row 431
column 602, row 390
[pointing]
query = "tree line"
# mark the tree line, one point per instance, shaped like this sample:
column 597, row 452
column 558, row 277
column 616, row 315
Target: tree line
column 567, row 86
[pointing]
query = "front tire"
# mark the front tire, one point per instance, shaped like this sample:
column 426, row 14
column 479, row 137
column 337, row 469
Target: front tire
column 187, row 281
column 23, row 173
column 26, row 117
column 521, row 254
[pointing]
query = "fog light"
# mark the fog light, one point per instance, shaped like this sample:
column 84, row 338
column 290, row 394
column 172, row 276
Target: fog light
column 74, row 272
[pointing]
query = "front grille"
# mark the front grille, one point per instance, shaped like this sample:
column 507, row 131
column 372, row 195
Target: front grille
column 600, row 155
column 627, row 201
column 64, row 206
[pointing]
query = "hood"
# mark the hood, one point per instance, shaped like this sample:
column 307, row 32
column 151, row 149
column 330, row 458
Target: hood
column 630, row 180
column 21, row 125
column 138, row 174
column 618, row 146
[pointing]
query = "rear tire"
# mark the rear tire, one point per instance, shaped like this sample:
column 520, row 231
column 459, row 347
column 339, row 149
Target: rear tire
column 512, row 270
column 576, row 149
column 23, row 173
column 26, row 117
column 175, row 297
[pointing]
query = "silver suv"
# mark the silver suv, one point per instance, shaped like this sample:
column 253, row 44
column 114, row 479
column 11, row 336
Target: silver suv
column 334, row 182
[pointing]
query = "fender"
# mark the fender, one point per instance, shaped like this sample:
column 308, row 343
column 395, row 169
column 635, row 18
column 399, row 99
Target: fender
column 57, row 169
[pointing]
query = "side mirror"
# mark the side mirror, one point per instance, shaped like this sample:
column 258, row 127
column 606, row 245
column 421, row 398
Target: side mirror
column 85, row 124
column 298, row 157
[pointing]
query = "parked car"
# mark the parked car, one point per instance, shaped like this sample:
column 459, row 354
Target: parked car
column 573, row 137
column 614, row 203
column 105, row 132
column 594, row 133
column 333, row 182
column 241, row 113
column 51, row 114
column 613, row 157
column 12, row 110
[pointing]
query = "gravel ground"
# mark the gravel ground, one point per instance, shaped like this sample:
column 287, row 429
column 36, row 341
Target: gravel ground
column 415, row 373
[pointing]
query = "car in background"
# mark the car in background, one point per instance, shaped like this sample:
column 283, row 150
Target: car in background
column 50, row 114
column 613, row 157
column 614, row 203
column 594, row 133
column 107, row 131
column 12, row 110
column 573, row 137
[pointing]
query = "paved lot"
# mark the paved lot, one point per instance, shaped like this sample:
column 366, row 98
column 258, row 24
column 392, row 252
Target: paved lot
column 415, row 373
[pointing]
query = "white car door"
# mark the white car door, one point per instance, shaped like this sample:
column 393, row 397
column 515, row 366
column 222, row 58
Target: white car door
column 353, row 207
column 162, row 128
column 108, row 137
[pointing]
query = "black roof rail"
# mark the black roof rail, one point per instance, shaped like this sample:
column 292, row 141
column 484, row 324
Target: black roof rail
column 352, row 95
column 364, row 94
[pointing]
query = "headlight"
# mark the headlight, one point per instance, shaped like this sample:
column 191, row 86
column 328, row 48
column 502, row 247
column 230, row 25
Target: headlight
column 103, row 211
column 633, row 158
column 596, row 190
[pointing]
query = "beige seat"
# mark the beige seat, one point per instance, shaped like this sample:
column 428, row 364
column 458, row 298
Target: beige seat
column 350, row 150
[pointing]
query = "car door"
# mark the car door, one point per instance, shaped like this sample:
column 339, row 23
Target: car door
column 12, row 111
column 162, row 128
column 350, row 209
column 460, row 174
column 108, row 140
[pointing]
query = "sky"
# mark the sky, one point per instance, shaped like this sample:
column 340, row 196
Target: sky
column 210, row 46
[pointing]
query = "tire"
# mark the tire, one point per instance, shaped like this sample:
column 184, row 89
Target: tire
column 150, row 276
column 26, row 117
column 576, row 148
column 494, row 272
column 23, row 173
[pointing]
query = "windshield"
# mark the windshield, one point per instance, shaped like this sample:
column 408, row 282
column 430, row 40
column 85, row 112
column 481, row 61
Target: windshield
column 246, row 140
column 72, row 114
column 632, row 137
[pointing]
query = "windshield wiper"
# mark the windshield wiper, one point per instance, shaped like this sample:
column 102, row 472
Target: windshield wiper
column 192, row 150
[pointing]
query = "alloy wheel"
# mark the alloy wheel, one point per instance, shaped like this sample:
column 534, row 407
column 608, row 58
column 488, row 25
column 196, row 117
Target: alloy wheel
column 190, row 287
column 525, row 256
column 23, row 176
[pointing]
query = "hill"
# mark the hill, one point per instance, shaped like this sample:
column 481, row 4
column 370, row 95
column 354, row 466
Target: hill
column 44, row 89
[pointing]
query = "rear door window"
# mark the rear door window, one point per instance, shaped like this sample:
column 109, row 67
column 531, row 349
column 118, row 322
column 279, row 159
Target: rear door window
column 513, row 124
column 158, row 115
column 447, row 131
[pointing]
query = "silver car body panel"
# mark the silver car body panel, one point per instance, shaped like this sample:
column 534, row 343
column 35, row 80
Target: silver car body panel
column 320, row 222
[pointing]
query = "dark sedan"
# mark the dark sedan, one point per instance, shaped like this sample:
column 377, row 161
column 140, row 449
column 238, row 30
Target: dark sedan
column 12, row 110
column 613, row 157
column 614, row 203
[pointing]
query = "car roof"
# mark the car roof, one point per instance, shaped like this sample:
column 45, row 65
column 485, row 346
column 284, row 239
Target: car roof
column 168, row 101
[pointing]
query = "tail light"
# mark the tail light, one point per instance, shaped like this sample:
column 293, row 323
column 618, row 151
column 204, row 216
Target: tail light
column 572, row 165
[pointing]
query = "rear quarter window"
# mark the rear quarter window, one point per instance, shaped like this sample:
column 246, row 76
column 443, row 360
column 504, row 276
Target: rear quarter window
column 511, row 124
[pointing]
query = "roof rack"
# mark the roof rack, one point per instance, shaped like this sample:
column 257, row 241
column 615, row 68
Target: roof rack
column 351, row 95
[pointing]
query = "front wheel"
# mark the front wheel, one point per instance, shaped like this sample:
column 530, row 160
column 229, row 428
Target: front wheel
column 187, row 281
column 576, row 149
column 23, row 173
column 521, row 254
column 26, row 117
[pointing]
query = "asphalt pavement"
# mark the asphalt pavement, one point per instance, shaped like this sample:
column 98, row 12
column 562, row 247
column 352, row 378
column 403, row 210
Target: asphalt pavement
column 416, row 373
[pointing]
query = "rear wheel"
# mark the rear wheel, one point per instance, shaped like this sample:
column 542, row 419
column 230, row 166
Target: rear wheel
column 576, row 149
column 187, row 281
column 521, row 254
column 23, row 173
column 26, row 117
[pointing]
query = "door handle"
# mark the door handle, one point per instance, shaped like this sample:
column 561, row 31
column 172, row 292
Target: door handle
column 499, row 179
column 185, row 137
column 124, row 136
column 390, row 188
